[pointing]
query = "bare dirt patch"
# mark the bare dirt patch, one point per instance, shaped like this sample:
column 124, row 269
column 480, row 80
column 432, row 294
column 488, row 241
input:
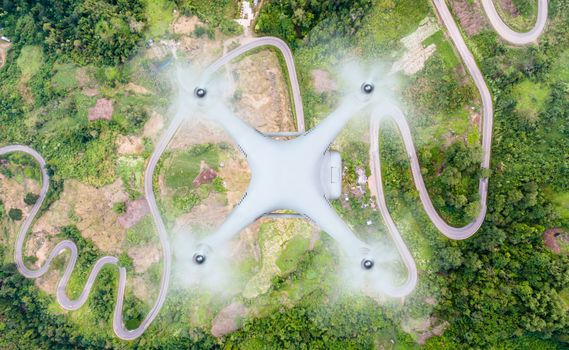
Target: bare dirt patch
column 153, row 126
column 82, row 77
column 90, row 209
column 261, row 94
column 144, row 256
column 135, row 211
column 184, row 25
column 236, row 175
column 199, row 51
column 199, row 131
column 12, row 193
column 129, row 145
column 209, row 214
column 137, row 89
column 4, row 47
column 509, row 7
column 139, row 287
column 550, row 239
column 322, row 81
column 90, row 92
column 470, row 15
column 228, row 319
column 103, row 109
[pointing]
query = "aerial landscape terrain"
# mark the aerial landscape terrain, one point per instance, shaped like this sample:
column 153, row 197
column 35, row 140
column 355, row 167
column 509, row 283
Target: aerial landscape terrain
column 284, row 174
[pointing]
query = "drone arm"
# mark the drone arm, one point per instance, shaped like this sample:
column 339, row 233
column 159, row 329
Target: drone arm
column 246, row 137
column 321, row 212
column 243, row 214
column 324, row 133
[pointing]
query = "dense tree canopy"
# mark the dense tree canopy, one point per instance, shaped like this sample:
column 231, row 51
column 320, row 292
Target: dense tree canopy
column 97, row 31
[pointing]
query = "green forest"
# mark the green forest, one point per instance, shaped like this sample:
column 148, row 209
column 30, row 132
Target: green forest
column 500, row 289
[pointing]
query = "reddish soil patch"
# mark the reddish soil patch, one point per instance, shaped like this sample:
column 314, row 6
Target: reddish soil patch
column 550, row 241
column 475, row 119
column 227, row 320
column 135, row 211
column 103, row 110
column 322, row 81
column 206, row 176
column 509, row 7
column 470, row 16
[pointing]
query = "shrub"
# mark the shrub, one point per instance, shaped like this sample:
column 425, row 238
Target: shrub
column 31, row 198
column 15, row 214
column 119, row 208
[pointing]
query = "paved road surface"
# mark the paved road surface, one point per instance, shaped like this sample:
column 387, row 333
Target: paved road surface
column 487, row 111
column 514, row 37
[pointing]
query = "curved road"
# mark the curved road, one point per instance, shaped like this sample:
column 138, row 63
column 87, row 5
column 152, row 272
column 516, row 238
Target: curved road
column 511, row 36
column 397, row 115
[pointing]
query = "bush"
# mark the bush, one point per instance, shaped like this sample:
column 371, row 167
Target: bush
column 119, row 208
column 15, row 214
column 31, row 198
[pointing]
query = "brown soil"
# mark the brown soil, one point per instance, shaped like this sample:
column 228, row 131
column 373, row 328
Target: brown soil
column 137, row 89
column 140, row 288
column 199, row 131
column 228, row 319
column 82, row 77
column 129, row 145
column 509, row 7
column 87, row 207
column 236, row 176
column 471, row 17
column 144, row 256
column 200, row 51
column 185, row 25
column 475, row 119
column 4, row 47
column 135, row 211
column 209, row 214
column 103, row 110
column 90, row 92
column 550, row 241
column 264, row 101
column 322, row 81
column 12, row 193
column 153, row 126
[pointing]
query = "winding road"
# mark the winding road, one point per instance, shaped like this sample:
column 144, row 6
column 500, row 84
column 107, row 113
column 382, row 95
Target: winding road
column 392, row 111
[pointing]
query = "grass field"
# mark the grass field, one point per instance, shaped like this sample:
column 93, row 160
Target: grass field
column 183, row 167
column 294, row 249
column 160, row 13
column 30, row 61
column 64, row 78
column 531, row 99
column 444, row 49
column 561, row 202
